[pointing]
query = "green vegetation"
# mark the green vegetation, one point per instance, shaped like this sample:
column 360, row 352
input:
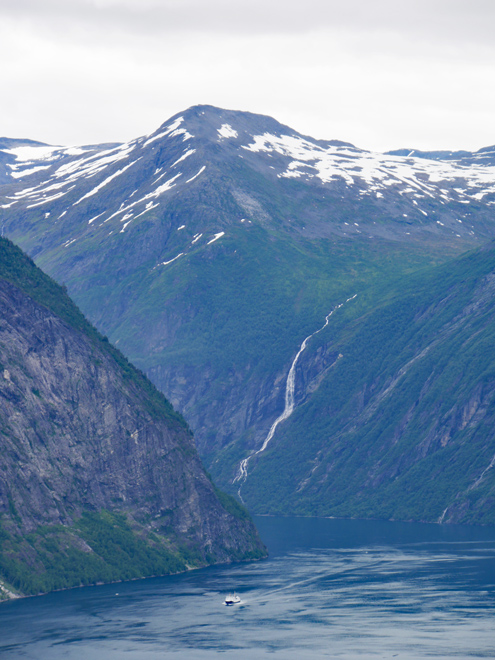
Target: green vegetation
column 100, row 547
column 402, row 426
column 215, row 326
column 384, row 432
column 234, row 315
column 249, row 303
column 231, row 505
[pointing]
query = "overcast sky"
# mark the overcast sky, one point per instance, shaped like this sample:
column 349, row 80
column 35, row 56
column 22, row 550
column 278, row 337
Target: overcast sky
column 381, row 74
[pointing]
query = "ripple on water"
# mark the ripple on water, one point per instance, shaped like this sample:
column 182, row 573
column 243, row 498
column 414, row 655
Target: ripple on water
column 331, row 589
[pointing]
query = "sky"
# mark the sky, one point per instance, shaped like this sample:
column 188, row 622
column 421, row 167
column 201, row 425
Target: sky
column 382, row 74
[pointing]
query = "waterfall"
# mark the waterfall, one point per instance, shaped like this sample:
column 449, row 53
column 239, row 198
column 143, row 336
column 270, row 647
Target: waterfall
column 242, row 472
column 442, row 517
column 480, row 478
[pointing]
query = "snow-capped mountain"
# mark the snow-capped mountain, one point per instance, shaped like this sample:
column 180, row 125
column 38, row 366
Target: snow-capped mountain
column 114, row 188
column 210, row 249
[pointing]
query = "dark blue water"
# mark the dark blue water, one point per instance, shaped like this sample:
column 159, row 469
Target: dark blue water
column 331, row 589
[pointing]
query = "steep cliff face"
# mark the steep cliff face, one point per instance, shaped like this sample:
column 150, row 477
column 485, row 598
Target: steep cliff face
column 82, row 432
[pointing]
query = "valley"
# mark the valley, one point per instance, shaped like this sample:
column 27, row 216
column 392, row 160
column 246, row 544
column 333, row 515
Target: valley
column 210, row 249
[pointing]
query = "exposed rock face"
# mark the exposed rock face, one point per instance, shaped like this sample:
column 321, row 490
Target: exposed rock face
column 82, row 430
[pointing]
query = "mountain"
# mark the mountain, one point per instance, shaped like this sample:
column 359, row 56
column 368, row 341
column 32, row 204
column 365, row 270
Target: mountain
column 400, row 424
column 99, row 476
column 208, row 250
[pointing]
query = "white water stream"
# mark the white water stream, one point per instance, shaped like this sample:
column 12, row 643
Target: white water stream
column 475, row 484
column 242, row 472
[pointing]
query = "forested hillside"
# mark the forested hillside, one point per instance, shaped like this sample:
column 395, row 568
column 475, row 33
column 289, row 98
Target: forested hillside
column 99, row 476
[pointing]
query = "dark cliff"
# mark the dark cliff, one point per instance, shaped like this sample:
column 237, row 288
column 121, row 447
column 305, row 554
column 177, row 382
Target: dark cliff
column 99, row 476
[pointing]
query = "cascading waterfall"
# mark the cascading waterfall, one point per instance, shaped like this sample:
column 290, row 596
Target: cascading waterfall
column 475, row 484
column 242, row 472
column 480, row 478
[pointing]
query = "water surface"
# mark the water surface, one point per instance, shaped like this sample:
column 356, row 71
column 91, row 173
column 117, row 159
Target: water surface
column 330, row 589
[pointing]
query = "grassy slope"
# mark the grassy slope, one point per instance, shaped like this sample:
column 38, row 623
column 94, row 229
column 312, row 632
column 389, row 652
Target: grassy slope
column 412, row 454
column 248, row 300
column 56, row 557
column 239, row 308
column 245, row 299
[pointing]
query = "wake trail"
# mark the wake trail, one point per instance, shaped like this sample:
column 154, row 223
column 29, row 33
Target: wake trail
column 319, row 576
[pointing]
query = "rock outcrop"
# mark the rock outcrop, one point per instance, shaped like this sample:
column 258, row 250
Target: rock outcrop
column 83, row 433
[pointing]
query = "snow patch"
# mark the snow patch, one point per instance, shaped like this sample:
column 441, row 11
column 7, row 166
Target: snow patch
column 93, row 219
column 226, row 131
column 186, row 155
column 104, row 183
column 164, row 187
column 165, row 263
column 45, row 201
column 418, row 176
column 216, row 237
column 196, row 175
column 127, row 223
column 42, row 152
column 149, row 207
column 18, row 174
column 170, row 129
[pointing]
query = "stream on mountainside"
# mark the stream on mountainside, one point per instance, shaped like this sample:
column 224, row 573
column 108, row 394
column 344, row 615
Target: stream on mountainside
column 242, row 472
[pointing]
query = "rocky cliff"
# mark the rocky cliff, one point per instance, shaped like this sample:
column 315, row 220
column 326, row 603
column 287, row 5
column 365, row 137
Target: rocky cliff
column 91, row 453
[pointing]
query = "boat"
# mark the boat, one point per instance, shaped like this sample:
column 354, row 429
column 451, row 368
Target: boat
column 232, row 599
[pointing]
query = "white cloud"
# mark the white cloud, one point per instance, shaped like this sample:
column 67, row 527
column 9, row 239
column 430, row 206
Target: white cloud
column 464, row 19
column 380, row 74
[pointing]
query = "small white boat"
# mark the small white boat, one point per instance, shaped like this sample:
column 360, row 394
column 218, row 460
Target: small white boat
column 232, row 599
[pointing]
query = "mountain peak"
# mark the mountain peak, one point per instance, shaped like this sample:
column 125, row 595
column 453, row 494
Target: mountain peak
column 207, row 122
column 399, row 194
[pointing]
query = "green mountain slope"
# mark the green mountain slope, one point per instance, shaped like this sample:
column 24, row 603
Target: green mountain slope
column 402, row 424
column 99, row 476
column 208, row 250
